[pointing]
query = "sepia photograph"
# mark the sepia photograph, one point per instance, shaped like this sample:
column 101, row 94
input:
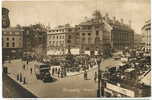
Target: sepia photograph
column 76, row 49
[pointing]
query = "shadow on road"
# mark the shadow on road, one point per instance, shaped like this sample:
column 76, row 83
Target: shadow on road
column 11, row 89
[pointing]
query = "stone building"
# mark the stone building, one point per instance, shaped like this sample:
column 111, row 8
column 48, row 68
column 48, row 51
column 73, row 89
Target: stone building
column 122, row 35
column 137, row 40
column 93, row 34
column 60, row 39
column 12, row 42
column 146, row 32
column 12, row 37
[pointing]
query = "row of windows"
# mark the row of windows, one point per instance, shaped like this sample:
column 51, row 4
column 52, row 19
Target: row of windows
column 97, row 33
column 11, row 32
column 83, row 39
column 57, row 37
column 61, row 30
column 12, row 39
column 83, row 34
column 56, row 42
column 8, row 39
column 8, row 44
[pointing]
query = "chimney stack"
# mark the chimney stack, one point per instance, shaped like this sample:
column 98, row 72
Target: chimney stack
column 106, row 16
column 114, row 18
column 121, row 20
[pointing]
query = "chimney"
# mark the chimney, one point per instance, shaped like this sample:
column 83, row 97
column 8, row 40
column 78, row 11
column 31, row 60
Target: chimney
column 114, row 19
column 106, row 16
column 121, row 20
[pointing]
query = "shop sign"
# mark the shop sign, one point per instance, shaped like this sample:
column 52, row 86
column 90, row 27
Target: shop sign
column 121, row 90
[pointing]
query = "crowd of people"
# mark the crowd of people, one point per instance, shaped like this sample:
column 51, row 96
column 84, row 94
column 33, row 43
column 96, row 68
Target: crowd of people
column 128, row 74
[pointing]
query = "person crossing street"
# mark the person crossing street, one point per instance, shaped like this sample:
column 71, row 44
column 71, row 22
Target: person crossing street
column 95, row 77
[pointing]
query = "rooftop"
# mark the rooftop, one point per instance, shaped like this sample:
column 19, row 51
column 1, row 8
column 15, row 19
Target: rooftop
column 12, row 29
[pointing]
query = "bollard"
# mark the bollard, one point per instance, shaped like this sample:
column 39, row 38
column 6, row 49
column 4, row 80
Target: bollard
column 24, row 81
column 17, row 77
column 31, row 70
column 98, row 93
column 20, row 77
column 6, row 70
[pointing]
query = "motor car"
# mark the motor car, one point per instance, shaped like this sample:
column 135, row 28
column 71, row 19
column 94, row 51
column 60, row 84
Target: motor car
column 47, row 77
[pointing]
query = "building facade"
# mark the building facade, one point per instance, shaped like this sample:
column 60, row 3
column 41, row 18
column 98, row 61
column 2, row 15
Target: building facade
column 122, row 37
column 60, row 39
column 12, row 42
column 90, row 34
column 146, row 32
column 137, row 40
column 93, row 34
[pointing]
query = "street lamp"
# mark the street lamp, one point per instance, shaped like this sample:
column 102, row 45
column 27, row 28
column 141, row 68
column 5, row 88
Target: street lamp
column 99, row 73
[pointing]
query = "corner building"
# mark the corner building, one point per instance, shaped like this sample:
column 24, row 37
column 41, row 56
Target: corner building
column 146, row 33
column 60, row 39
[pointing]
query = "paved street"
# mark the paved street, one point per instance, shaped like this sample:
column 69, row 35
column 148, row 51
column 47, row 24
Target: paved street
column 13, row 90
column 73, row 86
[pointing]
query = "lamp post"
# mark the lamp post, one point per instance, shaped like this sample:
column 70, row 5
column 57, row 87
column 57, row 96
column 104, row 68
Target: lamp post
column 99, row 74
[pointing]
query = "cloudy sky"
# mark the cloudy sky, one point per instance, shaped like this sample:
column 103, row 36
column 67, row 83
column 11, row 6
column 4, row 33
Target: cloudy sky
column 56, row 12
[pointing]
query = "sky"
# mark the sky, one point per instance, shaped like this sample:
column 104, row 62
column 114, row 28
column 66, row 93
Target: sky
column 59, row 12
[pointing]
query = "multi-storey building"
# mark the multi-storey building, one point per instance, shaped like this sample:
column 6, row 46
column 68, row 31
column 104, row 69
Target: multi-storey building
column 146, row 32
column 92, row 34
column 137, row 40
column 12, row 42
column 122, row 35
column 12, row 37
column 60, row 39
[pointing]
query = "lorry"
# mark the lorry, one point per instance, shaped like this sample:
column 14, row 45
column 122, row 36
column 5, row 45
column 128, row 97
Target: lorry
column 42, row 71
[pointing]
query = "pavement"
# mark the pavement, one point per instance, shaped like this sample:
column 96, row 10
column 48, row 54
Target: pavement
column 13, row 90
column 72, row 86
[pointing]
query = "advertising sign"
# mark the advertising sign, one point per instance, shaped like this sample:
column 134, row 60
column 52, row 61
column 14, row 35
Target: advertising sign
column 121, row 90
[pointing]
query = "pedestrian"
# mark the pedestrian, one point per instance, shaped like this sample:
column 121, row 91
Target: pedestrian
column 58, row 73
column 20, row 77
column 85, row 75
column 27, row 62
column 17, row 77
column 24, row 80
column 31, row 70
column 24, row 66
column 59, row 70
column 56, row 70
column 62, row 74
column 95, row 76
column 52, row 71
